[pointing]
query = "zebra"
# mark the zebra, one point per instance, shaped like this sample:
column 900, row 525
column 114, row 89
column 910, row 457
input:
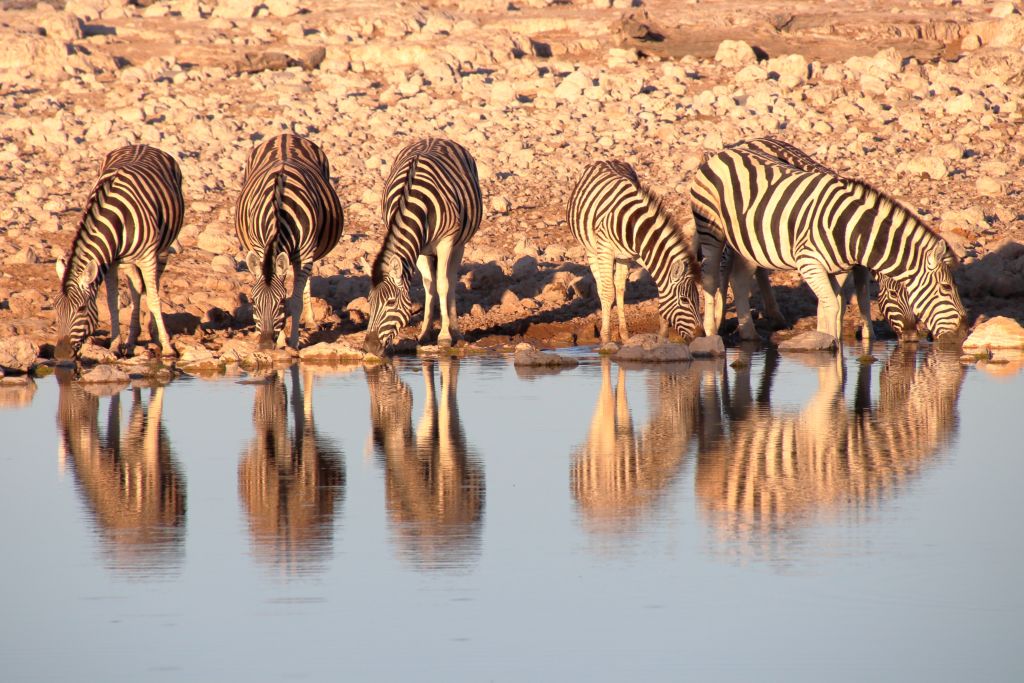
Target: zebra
column 434, row 483
column 431, row 207
column 619, row 220
column 132, row 216
column 287, row 213
column 777, row 216
column 290, row 481
column 892, row 295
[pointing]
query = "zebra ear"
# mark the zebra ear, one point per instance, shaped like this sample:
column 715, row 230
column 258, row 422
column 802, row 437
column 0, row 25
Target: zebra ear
column 393, row 268
column 61, row 265
column 92, row 270
column 675, row 273
column 936, row 256
column 281, row 264
column 252, row 261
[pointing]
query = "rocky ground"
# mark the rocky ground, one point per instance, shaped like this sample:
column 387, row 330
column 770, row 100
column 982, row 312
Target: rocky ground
column 921, row 98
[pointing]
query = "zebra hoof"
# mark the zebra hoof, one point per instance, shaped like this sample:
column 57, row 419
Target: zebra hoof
column 444, row 343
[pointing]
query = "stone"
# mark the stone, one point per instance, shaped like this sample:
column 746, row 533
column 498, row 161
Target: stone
column 282, row 8
column 330, row 351
column 500, row 204
column 931, row 166
column 530, row 357
column 105, row 374
column 996, row 333
column 811, row 340
column 735, row 53
column 360, row 304
column 707, row 346
column 307, row 57
column 236, row 9
column 573, row 85
column 988, row 186
column 524, row 268
column 92, row 353
column 17, row 354
column 650, row 348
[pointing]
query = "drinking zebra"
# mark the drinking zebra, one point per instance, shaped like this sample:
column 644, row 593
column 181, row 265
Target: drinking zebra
column 777, row 216
column 618, row 220
column 892, row 296
column 132, row 215
column 287, row 213
column 431, row 207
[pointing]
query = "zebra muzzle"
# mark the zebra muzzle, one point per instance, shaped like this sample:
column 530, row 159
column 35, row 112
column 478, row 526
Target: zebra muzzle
column 64, row 350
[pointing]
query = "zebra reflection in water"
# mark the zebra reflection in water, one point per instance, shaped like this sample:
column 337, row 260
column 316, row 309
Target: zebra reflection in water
column 434, row 484
column 619, row 474
column 128, row 478
column 290, row 481
column 769, row 471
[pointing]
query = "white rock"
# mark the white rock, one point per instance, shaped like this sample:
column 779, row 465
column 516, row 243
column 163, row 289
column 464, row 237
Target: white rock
column 17, row 354
column 532, row 358
column 649, row 348
column 105, row 374
column 997, row 333
column 707, row 346
column 735, row 53
column 811, row 340
column 988, row 186
column 931, row 166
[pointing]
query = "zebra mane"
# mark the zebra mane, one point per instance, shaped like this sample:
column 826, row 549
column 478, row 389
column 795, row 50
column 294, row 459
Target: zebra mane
column 377, row 272
column 658, row 204
column 94, row 198
column 887, row 204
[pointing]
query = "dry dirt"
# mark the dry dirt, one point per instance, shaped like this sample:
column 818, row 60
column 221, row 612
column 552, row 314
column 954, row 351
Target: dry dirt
column 922, row 99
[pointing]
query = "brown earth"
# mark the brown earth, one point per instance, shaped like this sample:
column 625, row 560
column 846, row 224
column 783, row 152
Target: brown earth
column 922, row 99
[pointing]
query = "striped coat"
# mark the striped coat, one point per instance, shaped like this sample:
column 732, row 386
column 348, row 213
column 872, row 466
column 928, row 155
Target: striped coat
column 131, row 217
column 780, row 217
column 287, row 214
column 618, row 220
column 431, row 208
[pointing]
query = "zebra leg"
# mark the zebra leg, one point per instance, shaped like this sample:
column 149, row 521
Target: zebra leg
column 771, row 306
column 448, row 257
column 742, row 272
column 861, row 282
column 301, row 280
column 830, row 300
column 134, row 326
column 620, row 273
column 454, row 261
column 601, row 265
column 110, row 281
column 152, row 283
column 307, row 303
column 714, row 300
column 427, row 265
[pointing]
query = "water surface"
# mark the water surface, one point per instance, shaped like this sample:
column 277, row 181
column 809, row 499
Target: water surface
column 788, row 518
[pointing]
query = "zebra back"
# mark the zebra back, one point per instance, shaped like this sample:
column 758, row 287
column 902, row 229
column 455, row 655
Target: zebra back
column 135, row 210
column 432, row 193
column 287, row 203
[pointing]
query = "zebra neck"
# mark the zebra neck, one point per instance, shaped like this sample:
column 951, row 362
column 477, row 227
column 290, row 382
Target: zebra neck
column 403, row 242
column 659, row 258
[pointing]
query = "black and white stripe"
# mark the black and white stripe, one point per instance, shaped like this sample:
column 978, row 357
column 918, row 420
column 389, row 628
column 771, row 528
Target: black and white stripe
column 618, row 220
column 132, row 215
column 892, row 295
column 781, row 217
column 287, row 213
column 431, row 208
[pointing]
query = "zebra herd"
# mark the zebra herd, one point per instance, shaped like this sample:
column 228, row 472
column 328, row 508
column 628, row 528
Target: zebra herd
column 758, row 205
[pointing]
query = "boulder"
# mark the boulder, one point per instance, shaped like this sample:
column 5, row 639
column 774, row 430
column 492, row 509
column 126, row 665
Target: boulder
column 811, row 340
column 527, row 356
column 996, row 333
column 707, row 346
column 650, row 348
column 105, row 374
column 735, row 54
column 17, row 354
column 93, row 353
column 330, row 352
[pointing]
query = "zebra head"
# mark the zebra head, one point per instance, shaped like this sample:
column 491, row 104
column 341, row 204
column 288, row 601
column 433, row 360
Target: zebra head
column 75, row 307
column 679, row 304
column 895, row 307
column 390, row 306
column 267, row 295
column 932, row 293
